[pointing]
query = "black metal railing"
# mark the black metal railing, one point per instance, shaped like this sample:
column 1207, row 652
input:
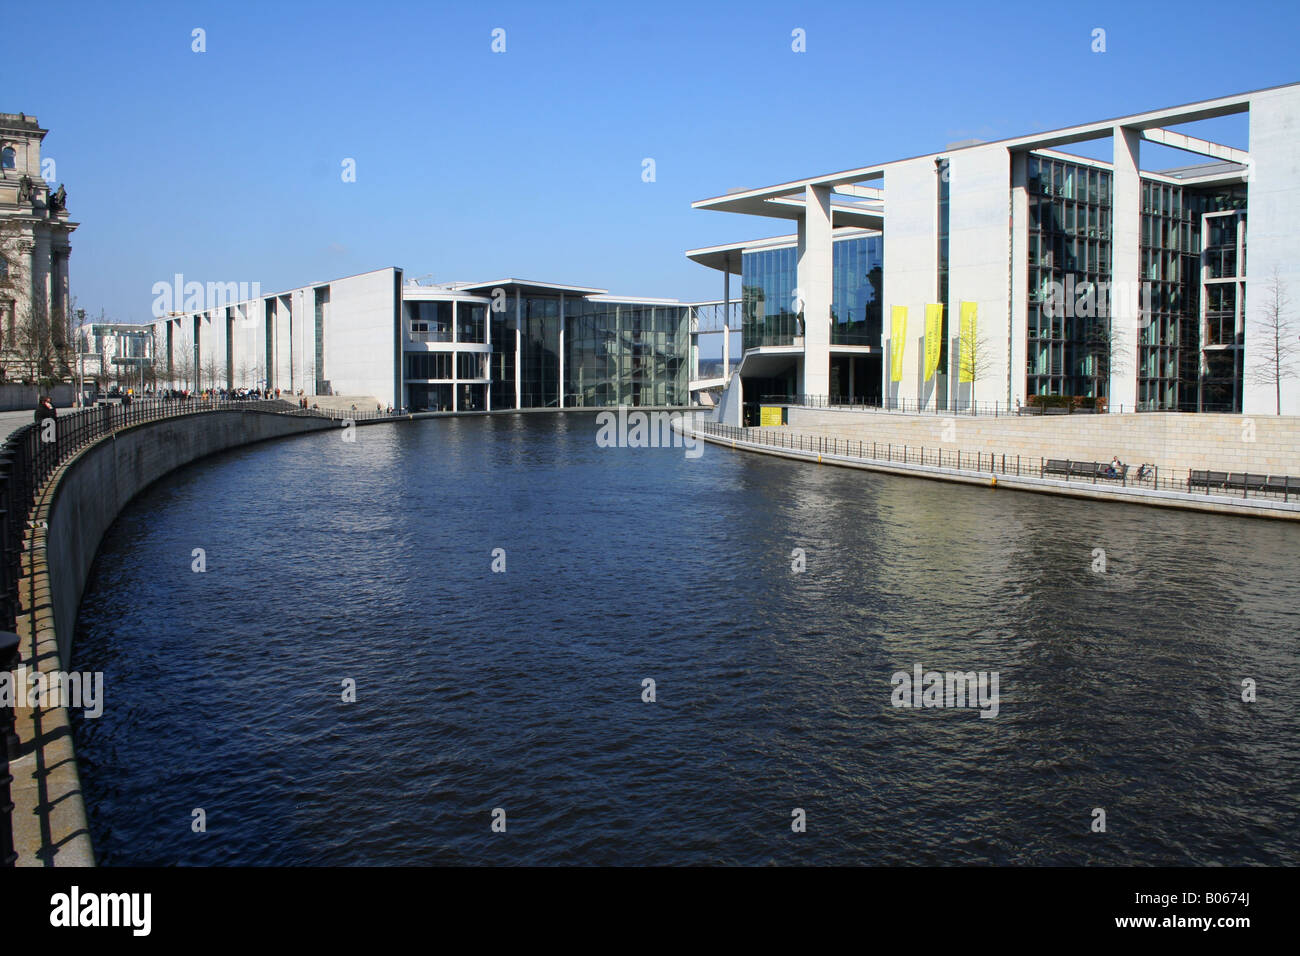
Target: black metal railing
column 994, row 409
column 28, row 457
column 1022, row 466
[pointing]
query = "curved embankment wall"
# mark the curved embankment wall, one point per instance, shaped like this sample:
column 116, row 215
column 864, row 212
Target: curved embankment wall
column 72, row 514
column 1260, row 444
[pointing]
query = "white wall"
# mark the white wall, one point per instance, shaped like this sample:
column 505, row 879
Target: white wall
column 979, row 262
column 911, row 253
column 1273, row 239
column 361, row 336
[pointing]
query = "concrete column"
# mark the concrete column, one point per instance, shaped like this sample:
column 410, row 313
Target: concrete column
column 561, row 349
column 815, row 289
column 1018, row 306
column 519, row 347
column 40, row 274
column 1125, row 228
column 726, row 315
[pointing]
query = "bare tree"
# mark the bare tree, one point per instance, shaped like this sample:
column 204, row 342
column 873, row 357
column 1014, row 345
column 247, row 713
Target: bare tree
column 1103, row 345
column 975, row 358
column 213, row 370
column 1278, row 332
column 184, row 368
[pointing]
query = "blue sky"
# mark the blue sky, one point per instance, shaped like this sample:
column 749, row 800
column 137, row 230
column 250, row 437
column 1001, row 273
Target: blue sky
column 225, row 165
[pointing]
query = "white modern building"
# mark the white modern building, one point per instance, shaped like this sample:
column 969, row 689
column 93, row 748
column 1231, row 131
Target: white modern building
column 1017, row 272
column 505, row 344
column 111, row 353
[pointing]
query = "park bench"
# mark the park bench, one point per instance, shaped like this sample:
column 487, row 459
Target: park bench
column 1285, row 485
column 1083, row 469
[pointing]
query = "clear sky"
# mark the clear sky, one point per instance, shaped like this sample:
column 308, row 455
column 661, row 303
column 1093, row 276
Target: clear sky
column 226, row 165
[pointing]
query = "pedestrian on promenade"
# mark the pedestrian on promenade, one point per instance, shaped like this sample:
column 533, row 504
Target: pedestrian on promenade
column 45, row 409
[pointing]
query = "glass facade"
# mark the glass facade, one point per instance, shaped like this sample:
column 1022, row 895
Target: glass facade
column 769, row 278
column 471, row 322
column 613, row 353
column 322, row 300
column 857, row 280
column 428, row 321
column 625, row 353
column 539, row 352
column 767, row 284
column 1068, row 347
column 1171, row 373
column 503, row 357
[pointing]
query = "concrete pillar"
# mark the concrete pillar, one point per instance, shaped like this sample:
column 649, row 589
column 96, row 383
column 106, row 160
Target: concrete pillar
column 1125, row 227
column 40, row 274
column 519, row 346
column 815, row 289
column 561, row 384
column 726, row 314
column 1018, row 307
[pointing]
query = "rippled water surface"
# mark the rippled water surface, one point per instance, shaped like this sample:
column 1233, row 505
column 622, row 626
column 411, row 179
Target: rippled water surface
column 371, row 561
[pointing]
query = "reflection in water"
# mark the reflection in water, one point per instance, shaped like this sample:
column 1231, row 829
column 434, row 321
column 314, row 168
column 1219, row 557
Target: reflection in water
column 371, row 561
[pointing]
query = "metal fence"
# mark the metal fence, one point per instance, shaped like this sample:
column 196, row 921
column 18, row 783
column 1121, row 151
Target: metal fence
column 27, row 460
column 993, row 409
column 992, row 463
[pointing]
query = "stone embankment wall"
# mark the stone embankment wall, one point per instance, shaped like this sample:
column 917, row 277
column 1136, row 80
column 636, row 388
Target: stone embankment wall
column 1173, row 442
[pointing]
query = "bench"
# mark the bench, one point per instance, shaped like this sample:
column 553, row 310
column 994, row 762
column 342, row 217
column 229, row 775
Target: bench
column 1245, row 482
column 1083, row 469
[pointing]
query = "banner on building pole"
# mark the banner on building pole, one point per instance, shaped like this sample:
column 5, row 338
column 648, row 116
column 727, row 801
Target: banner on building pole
column 897, row 332
column 969, row 355
column 933, row 338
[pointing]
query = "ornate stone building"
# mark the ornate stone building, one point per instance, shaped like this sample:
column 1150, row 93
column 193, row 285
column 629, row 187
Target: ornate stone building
column 34, row 250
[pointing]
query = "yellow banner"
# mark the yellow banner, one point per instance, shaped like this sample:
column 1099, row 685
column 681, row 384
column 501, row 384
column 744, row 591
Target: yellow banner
column 770, row 415
column 933, row 338
column 969, row 356
column 897, row 333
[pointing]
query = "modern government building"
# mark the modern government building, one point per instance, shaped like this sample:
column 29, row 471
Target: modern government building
column 497, row 345
column 994, row 273
column 997, row 272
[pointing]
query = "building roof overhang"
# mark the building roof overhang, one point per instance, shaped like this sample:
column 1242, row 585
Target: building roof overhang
column 762, row 202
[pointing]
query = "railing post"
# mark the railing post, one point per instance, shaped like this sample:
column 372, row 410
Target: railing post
column 8, row 751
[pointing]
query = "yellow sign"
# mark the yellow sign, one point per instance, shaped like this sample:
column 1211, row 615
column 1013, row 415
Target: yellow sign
column 967, row 370
column 897, row 332
column 770, row 415
column 933, row 338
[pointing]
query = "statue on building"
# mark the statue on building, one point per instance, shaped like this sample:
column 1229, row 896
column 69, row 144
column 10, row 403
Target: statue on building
column 25, row 189
column 58, row 200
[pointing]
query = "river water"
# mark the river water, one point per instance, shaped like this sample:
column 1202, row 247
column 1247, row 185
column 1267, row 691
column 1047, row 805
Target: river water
column 522, row 691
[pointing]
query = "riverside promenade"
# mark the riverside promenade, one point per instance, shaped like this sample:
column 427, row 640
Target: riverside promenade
column 941, row 460
column 60, row 489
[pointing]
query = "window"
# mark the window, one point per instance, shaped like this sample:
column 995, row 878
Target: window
column 8, row 158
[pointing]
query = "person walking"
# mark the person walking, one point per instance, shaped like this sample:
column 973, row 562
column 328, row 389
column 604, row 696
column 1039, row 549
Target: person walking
column 45, row 409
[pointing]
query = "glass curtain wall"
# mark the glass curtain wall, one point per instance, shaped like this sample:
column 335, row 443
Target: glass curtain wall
column 1069, row 251
column 625, row 353
column 857, row 280
column 767, row 284
column 1170, row 372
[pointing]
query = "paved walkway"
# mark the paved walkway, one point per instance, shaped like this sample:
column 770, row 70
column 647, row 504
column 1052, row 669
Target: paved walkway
column 10, row 422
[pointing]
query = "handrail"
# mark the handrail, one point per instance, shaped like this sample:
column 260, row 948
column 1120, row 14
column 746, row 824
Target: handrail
column 995, row 463
column 994, row 409
column 28, row 457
